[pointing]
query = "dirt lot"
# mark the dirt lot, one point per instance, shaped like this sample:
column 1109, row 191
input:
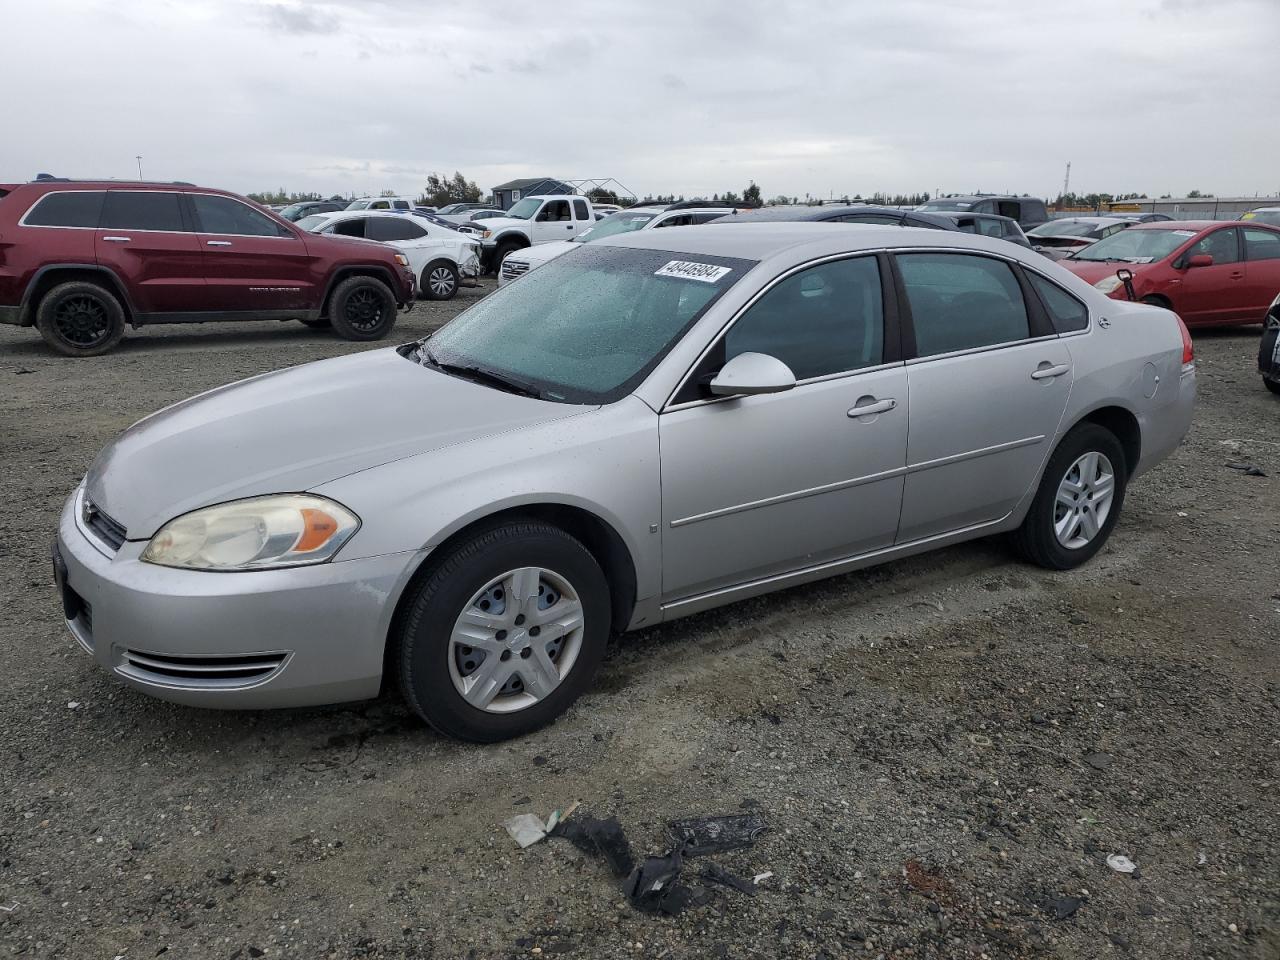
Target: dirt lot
column 947, row 748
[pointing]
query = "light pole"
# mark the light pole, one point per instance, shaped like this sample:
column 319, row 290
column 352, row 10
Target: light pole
column 139, row 159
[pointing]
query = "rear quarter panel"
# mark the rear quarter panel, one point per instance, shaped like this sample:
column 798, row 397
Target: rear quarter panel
column 24, row 250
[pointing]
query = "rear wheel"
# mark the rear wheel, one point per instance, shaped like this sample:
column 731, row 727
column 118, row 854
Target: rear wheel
column 505, row 633
column 1078, row 502
column 439, row 280
column 1156, row 301
column 362, row 308
column 80, row 319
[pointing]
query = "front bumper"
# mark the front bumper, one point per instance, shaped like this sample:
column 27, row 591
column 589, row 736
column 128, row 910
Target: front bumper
column 269, row 638
column 469, row 271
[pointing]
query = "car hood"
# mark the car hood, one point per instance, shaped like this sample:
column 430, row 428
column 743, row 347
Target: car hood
column 545, row 251
column 494, row 224
column 1091, row 271
column 294, row 429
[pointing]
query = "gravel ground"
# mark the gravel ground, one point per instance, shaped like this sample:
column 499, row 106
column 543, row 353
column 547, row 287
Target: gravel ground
column 947, row 748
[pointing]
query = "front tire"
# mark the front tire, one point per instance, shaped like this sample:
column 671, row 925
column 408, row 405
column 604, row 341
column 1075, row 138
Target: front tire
column 1272, row 385
column 439, row 280
column 80, row 319
column 362, row 309
column 504, row 250
column 1078, row 502
column 504, row 634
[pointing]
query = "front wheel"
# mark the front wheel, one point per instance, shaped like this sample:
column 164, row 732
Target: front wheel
column 505, row 633
column 1272, row 385
column 362, row 308
column 439, row 280
column 1078, row 502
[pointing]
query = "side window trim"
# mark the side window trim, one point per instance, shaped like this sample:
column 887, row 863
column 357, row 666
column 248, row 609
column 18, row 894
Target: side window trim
column 892, row 345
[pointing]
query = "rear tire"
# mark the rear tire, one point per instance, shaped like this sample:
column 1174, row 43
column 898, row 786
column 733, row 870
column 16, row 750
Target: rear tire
column 1272, row 385
column 1069, row 506
column 80, row 319
column 1156, row 301
column 439, row 280
column 362, row 309
column 509, row 636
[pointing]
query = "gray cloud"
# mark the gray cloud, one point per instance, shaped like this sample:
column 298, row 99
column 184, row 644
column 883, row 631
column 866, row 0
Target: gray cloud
column 802, row 96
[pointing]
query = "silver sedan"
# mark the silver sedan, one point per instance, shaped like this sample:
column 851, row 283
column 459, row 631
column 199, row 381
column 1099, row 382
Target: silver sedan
column 646, row 427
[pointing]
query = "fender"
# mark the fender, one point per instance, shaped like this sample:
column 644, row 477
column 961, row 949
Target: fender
column 27, row 308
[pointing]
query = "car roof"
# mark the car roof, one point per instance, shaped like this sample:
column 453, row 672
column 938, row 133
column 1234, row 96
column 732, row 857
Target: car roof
column 1182, row 224
column 1084, row 220
column 757, row 241
column 982, row 196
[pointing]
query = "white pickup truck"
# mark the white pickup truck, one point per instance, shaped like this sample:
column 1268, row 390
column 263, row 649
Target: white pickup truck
column 531, row 221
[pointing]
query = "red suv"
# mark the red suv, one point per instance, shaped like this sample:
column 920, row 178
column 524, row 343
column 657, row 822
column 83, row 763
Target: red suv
column 80, row 259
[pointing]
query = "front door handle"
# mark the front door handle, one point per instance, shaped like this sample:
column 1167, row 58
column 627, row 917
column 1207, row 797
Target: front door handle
column 1044, row 372
column 117, row 239
column 218, row 243
column 870, row 406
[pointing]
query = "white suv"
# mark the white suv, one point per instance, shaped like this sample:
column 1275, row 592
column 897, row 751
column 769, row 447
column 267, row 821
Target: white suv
column 441, row 259
column 644, row 217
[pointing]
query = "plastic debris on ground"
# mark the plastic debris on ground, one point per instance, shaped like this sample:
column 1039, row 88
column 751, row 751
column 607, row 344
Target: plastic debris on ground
column 704, row 835
column 527, row 829
column 1121, row 864
column 652, row 885
column 1248, row 469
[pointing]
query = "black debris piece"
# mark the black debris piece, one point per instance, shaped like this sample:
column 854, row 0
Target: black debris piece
column 715, row 873
column 1063, row 907
column 1248, row 469
column 704, row 835
column 651, row 886
column 1099, row 761
column 599, row 838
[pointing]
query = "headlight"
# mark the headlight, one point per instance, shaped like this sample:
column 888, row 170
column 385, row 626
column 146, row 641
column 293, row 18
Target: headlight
column 486, row 234
column 402, row 259
column 287, row 530
column 1108, row 284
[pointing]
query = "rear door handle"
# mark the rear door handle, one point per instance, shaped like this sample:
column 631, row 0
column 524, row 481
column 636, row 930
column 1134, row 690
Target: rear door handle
column 117, row 239
column 1046, row 373
column 218, row 243
column 871, row 407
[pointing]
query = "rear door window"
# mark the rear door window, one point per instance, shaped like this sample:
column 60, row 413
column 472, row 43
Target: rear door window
column 389, row 229
column 233, row 218
column 1261, row 244
column 351, row 228
column 1065, row 311
column 72, row 208
column 152, row 210
column 400, row 204
column 960, row 302
column 580, row 210
column 1009, row 208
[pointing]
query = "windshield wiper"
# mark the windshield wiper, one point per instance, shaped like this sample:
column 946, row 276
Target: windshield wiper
column 480, row 375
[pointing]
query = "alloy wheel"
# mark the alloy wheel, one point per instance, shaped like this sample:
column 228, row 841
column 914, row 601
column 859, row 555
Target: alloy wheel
column 516, row 640
column 82, row 320
column 441, row 282
column 1084, row 500
column 364, row 309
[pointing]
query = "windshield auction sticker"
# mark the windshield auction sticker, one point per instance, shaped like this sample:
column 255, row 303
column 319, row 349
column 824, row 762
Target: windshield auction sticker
column 689, row 270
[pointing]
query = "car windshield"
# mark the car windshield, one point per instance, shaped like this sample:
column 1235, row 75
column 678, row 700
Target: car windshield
column 293, row 209
column 623, row 222
column 310, row 223
column 358, row 204
column 1136, row 245
column 525, row 209
column 946, row 205
column 1263, row 216
column 587, row 327
column 1065, row 228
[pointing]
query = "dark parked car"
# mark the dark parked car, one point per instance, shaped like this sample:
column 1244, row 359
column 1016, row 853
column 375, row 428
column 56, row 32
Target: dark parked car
column 1061, row 238
column 989, row 225
column 80, row 259
column 841, row 214
column 1028, row 211
column 296, row 211
column 1269, row 349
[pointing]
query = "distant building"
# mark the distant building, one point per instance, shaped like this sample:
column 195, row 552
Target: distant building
column 506, row 194
column 1196, row 208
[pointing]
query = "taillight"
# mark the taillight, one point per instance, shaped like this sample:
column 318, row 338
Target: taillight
column 1188, row 348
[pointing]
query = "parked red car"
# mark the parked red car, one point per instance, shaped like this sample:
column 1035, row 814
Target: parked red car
column 1209, row 272
column 80, row 259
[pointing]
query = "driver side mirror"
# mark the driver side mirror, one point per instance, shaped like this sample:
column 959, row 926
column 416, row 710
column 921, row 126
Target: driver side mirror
column 749, row 374
column 1200, row 260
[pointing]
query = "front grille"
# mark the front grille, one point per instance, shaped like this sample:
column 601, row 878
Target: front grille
column 513, row 268
column 109, row 531
column 212, row 673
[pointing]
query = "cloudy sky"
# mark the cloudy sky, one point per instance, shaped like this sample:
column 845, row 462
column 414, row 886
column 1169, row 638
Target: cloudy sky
column 688, row 97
